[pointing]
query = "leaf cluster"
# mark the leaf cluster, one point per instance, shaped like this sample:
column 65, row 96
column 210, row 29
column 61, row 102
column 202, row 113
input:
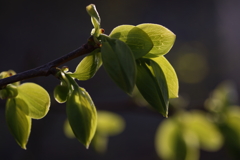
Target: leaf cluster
column 25, row 102
column 133, row 56
column 182, row 136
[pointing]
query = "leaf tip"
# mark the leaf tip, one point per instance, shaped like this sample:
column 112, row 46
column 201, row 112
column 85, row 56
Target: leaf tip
column 23, row 146
column 166, row 114
column 92, row 11
column 87, row 146
column 90, row 7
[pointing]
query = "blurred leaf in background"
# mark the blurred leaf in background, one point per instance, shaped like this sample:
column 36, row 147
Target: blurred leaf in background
column 108, row 124
column 191, row 63
column 226, row 114
column 223, row 96
column 184, row 134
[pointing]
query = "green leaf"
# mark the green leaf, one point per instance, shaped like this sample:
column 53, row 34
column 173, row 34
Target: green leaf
column 108, row 124
column 92, row 11
column 96, row 30
column 82, row 116
column 88, row 67
column 36, row 98
column 170, row 75
column 152, row 85
column 18, row 123
column 161, row 80
column 61, row 93
column 95, row 18
column 119, row 63
column 138, row 41
column 162, row 38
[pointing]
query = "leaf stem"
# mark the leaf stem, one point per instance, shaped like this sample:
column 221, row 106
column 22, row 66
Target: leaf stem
column 50, row 67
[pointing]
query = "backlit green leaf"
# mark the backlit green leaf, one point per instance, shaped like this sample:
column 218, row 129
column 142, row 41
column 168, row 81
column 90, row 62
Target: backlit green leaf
column 162, row 38
column 82, row 115
column 18, row 123
column 138, row 41
column 152, row 85
column 170, row 75
column 87, row 68
column 108, row 124
column 92, row 11
column 95, row 18
column 61, row 93
column 36, row 98
column 119, row 63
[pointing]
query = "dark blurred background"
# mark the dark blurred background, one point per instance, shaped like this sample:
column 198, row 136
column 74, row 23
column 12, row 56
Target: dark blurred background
column 32, row 33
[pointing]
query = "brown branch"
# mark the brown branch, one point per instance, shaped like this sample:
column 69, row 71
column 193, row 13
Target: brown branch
column 50, row 67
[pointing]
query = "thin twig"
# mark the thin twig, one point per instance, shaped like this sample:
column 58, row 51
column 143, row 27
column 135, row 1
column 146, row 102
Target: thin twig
column 50, row 67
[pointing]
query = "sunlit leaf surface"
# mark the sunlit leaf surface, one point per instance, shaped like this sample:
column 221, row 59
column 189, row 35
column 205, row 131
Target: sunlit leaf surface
column 82, row 116
column 170, row 74
column 135, row 38
column 87, row 68
column 61, row 93
column 95, row 18
column 162, row 38
column 36, row 98
column 108, row 124
column 18, row 123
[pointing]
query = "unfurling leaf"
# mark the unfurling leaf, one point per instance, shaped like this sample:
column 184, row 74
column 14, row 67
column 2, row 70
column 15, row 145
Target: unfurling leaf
column 35, row 100
column 92, row 11
column 82, row 115
column 119, row 63
column 152, row 85
column 162, row 38
column 95, row 18
column 138, row 41
column 170, row 74
column 87, row 68
column 18, row 123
